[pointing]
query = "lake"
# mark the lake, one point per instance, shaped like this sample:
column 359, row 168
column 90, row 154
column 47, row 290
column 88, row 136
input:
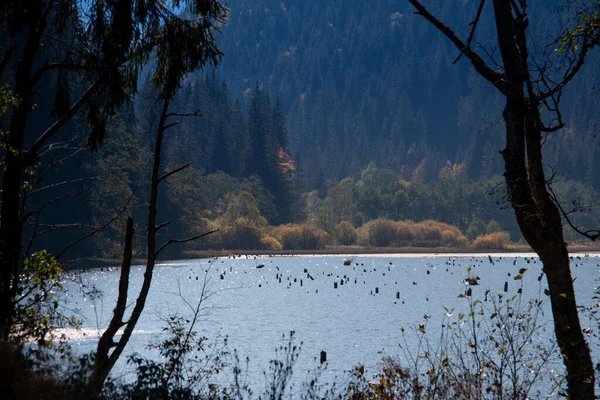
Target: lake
column 353, row 312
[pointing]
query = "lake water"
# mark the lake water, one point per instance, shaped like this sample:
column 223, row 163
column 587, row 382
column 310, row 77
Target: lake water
column 350, row 311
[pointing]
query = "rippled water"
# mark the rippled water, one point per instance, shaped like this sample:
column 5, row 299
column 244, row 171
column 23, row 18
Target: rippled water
column 355, row 322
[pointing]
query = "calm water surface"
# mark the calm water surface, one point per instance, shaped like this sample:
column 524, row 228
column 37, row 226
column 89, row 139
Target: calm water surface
column 355, row 322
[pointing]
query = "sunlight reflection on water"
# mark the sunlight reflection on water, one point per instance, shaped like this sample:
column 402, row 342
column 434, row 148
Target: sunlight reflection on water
column 356, row 322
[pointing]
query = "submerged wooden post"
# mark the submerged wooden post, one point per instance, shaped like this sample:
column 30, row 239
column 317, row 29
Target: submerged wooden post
column 323, row 356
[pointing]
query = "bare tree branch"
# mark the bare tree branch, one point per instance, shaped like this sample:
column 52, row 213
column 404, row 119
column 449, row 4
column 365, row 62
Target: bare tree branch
column 71, row 151
column 480, row 66
column 570, row 74
column 190, row 114
column 591, row 234
column 63, row 183
column 174, row 171
column 171, row 241
column 172, row 124
column 474, row 27
column 160, row 226
column 35, row 233
column 56, row 227
column 113, row 219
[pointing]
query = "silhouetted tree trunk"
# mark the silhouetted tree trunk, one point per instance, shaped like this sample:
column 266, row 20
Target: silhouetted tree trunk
column 538, row 216
column 105, row 359
column 11, row 219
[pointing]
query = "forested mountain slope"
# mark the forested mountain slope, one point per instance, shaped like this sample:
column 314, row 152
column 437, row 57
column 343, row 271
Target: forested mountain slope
column 370, row 81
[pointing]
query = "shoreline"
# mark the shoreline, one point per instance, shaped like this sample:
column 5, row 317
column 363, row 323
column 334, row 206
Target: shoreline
column 351, row 251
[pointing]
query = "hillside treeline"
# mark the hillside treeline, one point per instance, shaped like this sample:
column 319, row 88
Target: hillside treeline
column 244, row 182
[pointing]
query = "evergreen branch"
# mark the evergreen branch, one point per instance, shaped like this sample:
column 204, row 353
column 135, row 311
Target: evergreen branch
column 32, row 151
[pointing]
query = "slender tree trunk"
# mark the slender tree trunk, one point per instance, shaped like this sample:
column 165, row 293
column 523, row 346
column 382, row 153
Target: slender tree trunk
column 537, row 215
column 10, row 212
column 104, row 361
column 10, row 233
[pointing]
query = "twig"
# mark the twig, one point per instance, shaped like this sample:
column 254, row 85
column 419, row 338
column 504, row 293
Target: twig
column 591, row 234
column 474, row 27
column 113, row 219
column 61, row 184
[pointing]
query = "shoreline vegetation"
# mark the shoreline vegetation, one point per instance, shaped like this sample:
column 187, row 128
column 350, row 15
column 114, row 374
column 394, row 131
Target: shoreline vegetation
column 576, row 249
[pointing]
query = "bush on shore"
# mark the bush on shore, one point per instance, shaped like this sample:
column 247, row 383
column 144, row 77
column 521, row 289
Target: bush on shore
column 345, row 234
column 495, row 241
column 378, row 233
column 270, row 243
column 387, row 233
column 242, row 234
column 301, row 237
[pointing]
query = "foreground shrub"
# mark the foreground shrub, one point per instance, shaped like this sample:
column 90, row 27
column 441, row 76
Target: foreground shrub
column 496, row 240
column 345, row 233
column 184, row 370
column 492, row 351
column 301, row 237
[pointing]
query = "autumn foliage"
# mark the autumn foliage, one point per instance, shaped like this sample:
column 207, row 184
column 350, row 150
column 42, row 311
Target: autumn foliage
column 495, row 241
column 301, row 237
column 388, row 233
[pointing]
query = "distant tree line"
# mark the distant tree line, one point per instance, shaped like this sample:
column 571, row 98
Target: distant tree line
column 244, row 177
